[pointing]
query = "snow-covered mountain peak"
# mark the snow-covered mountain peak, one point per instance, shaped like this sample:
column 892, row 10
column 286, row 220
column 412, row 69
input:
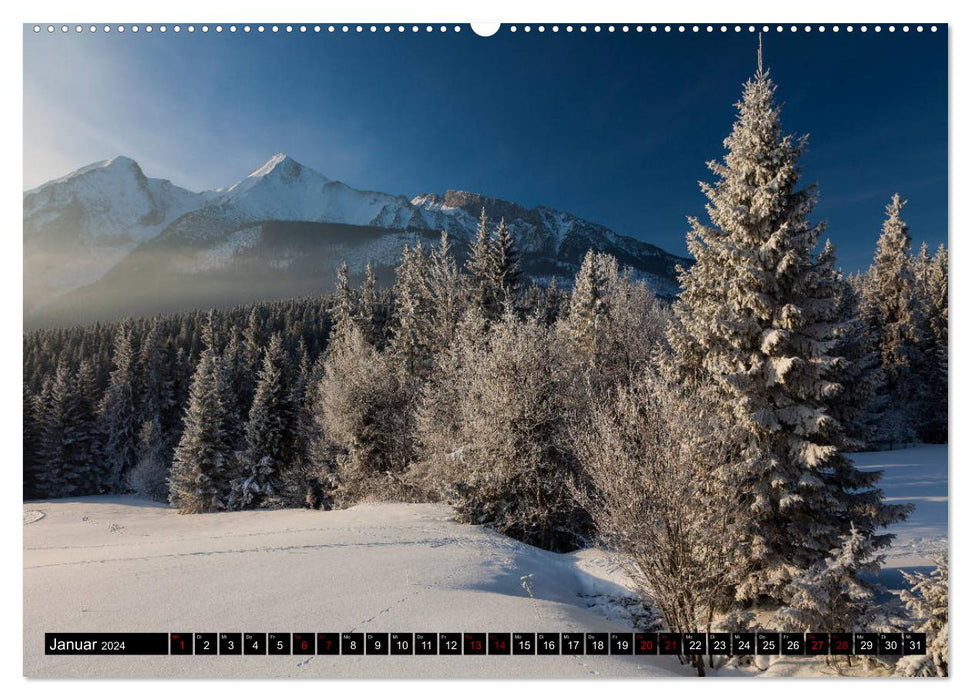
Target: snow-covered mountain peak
column 279, row 171
column 280, row 161
column 117, row 167
column 120, row 162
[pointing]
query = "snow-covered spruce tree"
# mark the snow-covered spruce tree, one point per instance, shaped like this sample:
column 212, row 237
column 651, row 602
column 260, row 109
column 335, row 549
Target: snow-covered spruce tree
column 555, row 302
column 481, row 291
column 62, row 469
column 248, row 357
column 863, row 397
column 657, row 458
column 439, row 419
column 370, row 317
column 270, row 432
column 31, row 439
column 238, row 382
column 756, row 319
column 615, row 323
column 504, row 270
column 508, row 461
column 927, row 602
column 445, row 295
column 365, row 417
column 87, row 446
column 199, row 480
column 411, row 336
column 119, row 416
column 588, row 308
column 533, row 300
column 157, row 401
column 832, row 594
column 890, row 311
column 930, row 278
column 345, row 304
column 302, row 481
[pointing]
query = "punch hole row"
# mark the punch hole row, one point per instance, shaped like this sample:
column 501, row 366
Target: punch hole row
column 246, row 28
column 715, row 28
column 415, row 29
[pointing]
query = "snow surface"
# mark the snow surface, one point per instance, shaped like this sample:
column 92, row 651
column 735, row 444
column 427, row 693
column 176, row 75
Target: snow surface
column 122, row 564
column 915, row 475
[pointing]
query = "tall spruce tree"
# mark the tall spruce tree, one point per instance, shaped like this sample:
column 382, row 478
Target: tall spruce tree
column 480, row 278
column 199, row 480
column 157, row 402
column 931, row 368
column 344, row 307
column 119, row 414
column 269, row 431
column 369, row 316
column 588, row 304
column 411, row 340
column 863, row 398
column 444, row 291
column 31, row 440
column 63, row 467
column 504, row 270
column 87, row 445
column 890, row 310
column 757, row 320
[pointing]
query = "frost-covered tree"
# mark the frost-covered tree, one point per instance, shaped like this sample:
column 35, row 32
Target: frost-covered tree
column 201, row 470
column 344, row 306
column 657, row 458
column 445, row 295
column 615, row 324
column 439, row 418
column 149, row 478
column 480, row 278
column 504, row 457
column 365, row 415
column 756, row 319
column 269, row 431
column 589, row 304
column 119, row 415
column 369, row 316
column 890, row 310
column 555, row 302
column 411, row 334
column 504, row 270
column 832, row 594
column 927, row 601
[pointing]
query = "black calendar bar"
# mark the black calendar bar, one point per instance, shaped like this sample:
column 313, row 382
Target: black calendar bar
column 106, row 643
column 381, row 644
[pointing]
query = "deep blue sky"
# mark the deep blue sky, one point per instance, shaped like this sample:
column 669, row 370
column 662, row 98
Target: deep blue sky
column 614, row 127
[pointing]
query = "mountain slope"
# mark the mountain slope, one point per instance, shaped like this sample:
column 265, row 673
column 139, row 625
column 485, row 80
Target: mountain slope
column 78, row 227
column 106, row 241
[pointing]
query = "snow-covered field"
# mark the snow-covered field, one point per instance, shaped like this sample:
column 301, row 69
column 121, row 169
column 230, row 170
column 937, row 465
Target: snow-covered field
column 915, row 475
column 120, row 564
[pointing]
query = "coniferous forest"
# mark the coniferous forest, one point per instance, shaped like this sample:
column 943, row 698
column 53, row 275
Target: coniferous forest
column 720, row 426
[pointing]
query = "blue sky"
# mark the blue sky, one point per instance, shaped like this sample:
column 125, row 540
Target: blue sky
column 614, row 127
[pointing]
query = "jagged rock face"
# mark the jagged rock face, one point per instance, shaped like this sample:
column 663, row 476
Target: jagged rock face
column 91, row 233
